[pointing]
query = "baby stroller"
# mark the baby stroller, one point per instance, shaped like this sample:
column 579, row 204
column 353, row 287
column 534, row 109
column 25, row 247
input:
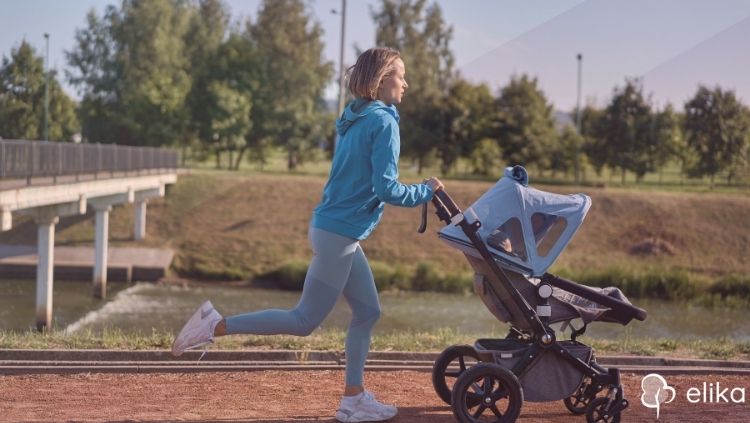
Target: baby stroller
column 511, row 236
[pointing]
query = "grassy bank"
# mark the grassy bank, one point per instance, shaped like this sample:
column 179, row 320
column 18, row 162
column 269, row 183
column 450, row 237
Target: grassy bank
column 655, row 283
column 333, row 340
column 253, row 226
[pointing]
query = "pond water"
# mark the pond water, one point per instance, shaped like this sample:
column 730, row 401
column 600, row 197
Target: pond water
column 143, row 306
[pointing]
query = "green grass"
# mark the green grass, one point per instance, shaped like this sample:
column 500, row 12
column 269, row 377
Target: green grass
column 333, row 340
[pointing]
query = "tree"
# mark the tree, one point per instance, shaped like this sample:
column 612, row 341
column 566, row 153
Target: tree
column 422, row 37
column 468, row 118
column 626, row 131
column 96, row 75
column 207, row 29
column 594, row 142
column 293, row 76
column 22, row 79
column 229, row 116
column 562, row 155
column 237, row 65
column 486, row 157
column 525, row 125
column 669, row 142
column 133, row 73
column 717, row 128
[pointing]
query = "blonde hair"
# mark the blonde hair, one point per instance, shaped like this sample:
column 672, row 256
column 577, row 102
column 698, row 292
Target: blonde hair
column 371, row 68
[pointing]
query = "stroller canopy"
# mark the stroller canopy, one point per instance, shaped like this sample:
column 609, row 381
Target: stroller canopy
column 524, row 228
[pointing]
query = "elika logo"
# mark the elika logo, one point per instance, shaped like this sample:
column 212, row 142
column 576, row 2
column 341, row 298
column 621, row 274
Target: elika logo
column 656, row 391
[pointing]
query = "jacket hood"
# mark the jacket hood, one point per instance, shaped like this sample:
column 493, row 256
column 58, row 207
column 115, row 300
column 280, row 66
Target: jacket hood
column 358, row 109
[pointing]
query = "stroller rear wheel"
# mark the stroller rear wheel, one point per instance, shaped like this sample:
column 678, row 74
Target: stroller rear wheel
column 487, row 393
column 450, row 364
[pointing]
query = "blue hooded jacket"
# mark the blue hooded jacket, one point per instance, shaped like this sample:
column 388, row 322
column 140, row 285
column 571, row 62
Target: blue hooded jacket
column 364, row 172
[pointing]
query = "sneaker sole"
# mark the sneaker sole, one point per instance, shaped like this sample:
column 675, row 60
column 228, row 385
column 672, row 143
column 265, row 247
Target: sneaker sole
column 349, row 419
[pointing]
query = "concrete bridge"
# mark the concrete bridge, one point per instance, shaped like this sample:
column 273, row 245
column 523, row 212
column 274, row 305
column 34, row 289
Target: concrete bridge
column 49, row 180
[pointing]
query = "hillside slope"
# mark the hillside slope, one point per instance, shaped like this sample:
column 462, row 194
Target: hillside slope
column 225, row 225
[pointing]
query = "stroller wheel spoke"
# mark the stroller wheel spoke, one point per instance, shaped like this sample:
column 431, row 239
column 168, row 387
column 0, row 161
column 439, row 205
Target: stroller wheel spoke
column 497, row 412
column 462, row 363
column 479, row 411
column 472, row 400
column 499, row 394
column 487, row 384
column 477, row 389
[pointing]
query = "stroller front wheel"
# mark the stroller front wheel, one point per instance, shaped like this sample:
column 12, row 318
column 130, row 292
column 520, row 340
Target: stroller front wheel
column 598, row 412
column 487, row 390
column 450, row 364
column 578, row 402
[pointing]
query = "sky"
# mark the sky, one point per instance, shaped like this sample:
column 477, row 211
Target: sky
column 672, row 45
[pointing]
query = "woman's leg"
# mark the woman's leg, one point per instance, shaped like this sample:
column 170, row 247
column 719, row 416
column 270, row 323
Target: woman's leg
column 362, row 295
column 358, row 405
column 328, row 273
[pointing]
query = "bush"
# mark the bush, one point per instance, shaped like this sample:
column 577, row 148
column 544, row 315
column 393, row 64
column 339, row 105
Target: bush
column 669, row 284
column 426, row 277
column 732, row 286
column 290, row 276
column 387, row 277
column 383, row 275
column 457, row 283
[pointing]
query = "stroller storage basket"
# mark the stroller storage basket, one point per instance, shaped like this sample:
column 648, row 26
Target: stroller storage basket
column 548, row 377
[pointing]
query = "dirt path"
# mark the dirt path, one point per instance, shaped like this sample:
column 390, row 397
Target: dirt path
column 300, row 396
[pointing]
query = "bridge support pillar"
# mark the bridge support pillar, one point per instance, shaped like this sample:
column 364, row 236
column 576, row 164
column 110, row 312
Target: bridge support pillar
column 102, row 206
column 101, row 249
column 46, row 218
column 141, row 199
column 45, row 270
column 6, row 219
column 140, row 220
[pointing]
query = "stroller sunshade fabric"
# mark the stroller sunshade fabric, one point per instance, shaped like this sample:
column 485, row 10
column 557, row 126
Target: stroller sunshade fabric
column 524, row 228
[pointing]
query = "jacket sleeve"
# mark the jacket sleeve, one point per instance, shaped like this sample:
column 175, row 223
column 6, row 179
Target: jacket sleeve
column 385, row 151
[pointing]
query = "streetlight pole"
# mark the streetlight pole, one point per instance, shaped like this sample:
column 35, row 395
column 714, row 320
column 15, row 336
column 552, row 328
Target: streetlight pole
column 46, row 89
column 342, row 90
column 578, row 121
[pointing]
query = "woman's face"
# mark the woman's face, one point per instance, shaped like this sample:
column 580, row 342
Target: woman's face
column 392, row 87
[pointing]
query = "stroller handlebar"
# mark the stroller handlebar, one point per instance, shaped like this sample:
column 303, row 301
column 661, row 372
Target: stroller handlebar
column 446, row 201
column 446, row 209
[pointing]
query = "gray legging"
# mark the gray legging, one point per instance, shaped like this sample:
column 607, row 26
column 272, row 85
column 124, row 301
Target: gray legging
column 338, row 266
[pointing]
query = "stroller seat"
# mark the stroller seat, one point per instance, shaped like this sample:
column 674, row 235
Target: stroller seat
column 577, row 301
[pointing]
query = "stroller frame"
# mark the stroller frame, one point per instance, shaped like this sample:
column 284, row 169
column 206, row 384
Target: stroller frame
column 540, row 339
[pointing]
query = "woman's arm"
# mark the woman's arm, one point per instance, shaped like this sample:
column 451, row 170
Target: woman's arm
column 385, row 152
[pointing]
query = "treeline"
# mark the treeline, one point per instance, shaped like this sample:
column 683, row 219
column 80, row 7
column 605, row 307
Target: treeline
column 184, row 74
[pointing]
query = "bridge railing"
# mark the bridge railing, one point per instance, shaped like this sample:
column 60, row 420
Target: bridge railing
column 29, row 159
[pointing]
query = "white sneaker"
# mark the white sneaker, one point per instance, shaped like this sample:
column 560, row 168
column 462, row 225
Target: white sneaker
column 198, row 331
column 364, row 409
